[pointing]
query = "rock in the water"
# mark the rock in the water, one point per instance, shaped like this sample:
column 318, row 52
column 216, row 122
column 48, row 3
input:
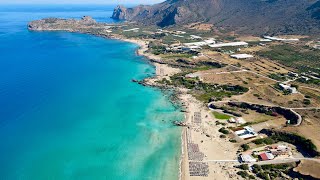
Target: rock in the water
column 179, row 123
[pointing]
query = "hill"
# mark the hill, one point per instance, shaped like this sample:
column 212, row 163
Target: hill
column 243, row 16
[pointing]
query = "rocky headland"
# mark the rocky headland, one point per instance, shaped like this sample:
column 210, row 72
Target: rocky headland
column 85, row 25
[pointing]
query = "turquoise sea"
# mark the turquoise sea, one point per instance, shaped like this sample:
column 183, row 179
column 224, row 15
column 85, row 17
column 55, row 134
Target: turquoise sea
column 68, row 108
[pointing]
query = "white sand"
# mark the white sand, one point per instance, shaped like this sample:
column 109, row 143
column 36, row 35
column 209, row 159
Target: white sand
column 213, row 147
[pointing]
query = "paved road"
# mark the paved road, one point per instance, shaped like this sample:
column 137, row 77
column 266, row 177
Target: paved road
column 287, row 160
column 276, row 161
column 299, row 121
column 305, row 108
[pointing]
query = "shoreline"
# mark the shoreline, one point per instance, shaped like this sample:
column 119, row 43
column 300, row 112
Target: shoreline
column 191, row 106
column 141, row 52
column 142, row 47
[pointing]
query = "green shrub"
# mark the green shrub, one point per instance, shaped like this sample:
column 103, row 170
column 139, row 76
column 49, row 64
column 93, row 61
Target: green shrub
column 306, row 101
column 244, row 167
column 223, row 130
column 307, row 96
column 267, row 141
column 223, row 136
column 245, row 147
column 243, row 174
column 256, row 168
column 263, row 175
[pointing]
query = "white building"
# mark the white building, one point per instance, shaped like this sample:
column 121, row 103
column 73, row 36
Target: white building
column 180, row 32
column 231, row 44
column 246, row 133
column 241, row 56
column 202, row 43
column 279, row 39
column 265, row 40
column 210, row 41
column 133, row 29
column 238, row 120
column 247, row 158
column 195, row 37
column 292, row 90
column 177, row 35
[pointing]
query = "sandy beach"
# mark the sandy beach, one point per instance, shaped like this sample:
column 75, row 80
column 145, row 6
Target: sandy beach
column 205, row 134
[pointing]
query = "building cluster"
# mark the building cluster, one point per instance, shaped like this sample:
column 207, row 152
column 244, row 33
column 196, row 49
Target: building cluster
column 278, row 150
column 266, row 154
column 211, row 42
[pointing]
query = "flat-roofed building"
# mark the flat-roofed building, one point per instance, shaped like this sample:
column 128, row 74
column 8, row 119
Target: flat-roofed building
column 279, row 39
column 246, row 133
column 247, row 158
column 231, row 44
column 241, row 56
column 195, row 37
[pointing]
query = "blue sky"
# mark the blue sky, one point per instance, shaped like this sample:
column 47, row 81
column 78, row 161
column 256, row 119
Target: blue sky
column 79, row 1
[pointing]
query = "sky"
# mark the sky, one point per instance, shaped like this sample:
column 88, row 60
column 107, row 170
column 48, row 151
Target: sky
column 80, row 1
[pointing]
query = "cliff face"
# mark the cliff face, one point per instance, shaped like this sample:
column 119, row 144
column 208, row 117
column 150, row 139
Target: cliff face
column 123, row 13
column 251, row 16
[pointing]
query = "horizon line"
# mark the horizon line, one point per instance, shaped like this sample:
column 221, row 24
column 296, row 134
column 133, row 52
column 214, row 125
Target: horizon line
column 75, row 3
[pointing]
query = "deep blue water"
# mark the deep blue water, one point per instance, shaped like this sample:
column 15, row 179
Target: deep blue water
column 68, row 108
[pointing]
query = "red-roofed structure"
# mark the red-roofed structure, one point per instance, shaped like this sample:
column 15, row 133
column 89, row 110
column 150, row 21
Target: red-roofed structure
column 263, row 157
column 266, row 156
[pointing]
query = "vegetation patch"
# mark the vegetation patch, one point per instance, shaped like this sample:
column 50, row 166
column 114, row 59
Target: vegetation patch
column 303, row 144
column 301, row 57
column 245, row 147
column 221, row 116
column 272, row 171
column 204, row 91
column 266, row 141
column 223, row 130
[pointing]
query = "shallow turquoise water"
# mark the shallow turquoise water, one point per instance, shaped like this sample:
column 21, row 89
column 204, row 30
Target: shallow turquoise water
column 69, row 109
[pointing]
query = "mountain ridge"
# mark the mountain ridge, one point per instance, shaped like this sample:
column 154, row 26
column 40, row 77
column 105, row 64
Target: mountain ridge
column 251, row 16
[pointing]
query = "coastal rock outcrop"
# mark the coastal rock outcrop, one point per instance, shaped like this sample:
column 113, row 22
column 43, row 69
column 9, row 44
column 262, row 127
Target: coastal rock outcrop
column 48, row 24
